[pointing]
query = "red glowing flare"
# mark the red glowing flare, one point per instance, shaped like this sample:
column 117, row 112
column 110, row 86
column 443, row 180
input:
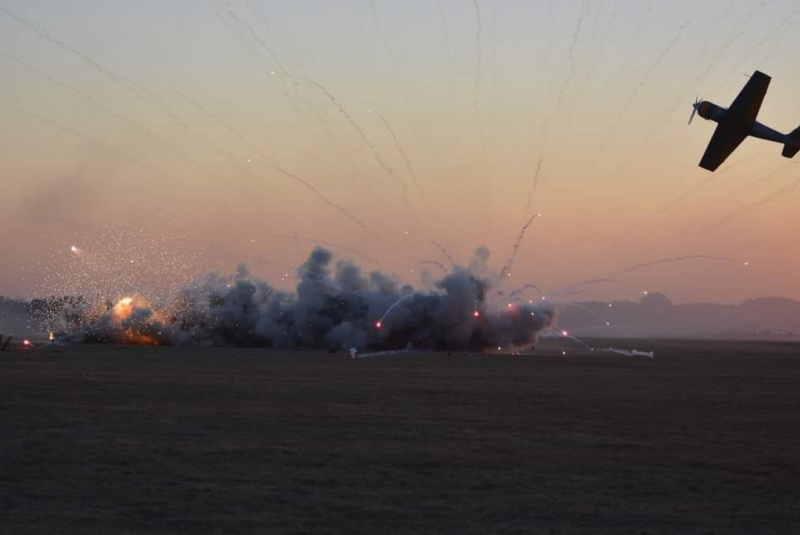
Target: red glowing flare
column 378, row 324
column 26, row 342
column 476, row 314
column 564, row 333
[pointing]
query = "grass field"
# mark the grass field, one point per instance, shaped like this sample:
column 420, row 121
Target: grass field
column 703, row 438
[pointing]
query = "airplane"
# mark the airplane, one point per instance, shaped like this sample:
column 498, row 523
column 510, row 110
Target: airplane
column 739, row 121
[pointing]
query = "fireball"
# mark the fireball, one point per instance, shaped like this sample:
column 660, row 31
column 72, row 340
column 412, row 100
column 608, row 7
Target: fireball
column 130, row 330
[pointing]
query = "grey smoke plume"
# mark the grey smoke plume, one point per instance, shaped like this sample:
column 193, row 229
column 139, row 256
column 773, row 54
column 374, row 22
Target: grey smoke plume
column 334, row 306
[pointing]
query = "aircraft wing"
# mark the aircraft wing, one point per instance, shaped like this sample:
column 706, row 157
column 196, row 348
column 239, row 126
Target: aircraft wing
column 747, row 103
column 726, row 138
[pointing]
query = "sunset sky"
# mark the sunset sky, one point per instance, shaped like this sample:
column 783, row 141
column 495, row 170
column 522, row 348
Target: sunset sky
column 196, row 135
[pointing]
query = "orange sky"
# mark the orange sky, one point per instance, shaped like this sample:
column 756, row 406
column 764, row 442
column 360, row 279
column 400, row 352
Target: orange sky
column 102, row 139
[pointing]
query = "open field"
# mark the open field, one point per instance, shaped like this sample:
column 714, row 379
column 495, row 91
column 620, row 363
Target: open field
column 702, row 438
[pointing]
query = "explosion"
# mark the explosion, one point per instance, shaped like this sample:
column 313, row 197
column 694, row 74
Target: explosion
column 130, row 321
column 334, row 306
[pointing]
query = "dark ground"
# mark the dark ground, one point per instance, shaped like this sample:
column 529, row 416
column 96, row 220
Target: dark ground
column 703, row 438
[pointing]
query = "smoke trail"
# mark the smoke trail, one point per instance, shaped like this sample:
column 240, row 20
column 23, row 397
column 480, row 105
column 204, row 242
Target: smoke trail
column 381, row 37
column 121, row 81
column 434, row 263
column 244, row 25
column 330, row 203
column 561, row 334
column 534, row 185
column 784, row 25
column 571, row 56
column 44, row 34
column 638, row 87
column 116, row 152
column 392, row 307
column 444, row 251
column 601, row 319
column 603, row 39
column 778, row 43
column 700, row 184
column 739, row 31
column 242, row 34
column 629, row 353
column 579, row 292
column 521, row 290
column 550, row 24
column 448, row 49
column 590, row 282
column 637, row 30
column 333, row 307
column 105, row 109
column 717, row 20
column 733, row 36
column 259, row 15
column 678, row 200
column 277, row 167
column 637, row 267
column 510, row 263
column 543, row 127
column 400, row 149
column 390, row 54
column 750, row 207
column 376, row 156
column 742, row 209
column 390, row 353
column 478, row 53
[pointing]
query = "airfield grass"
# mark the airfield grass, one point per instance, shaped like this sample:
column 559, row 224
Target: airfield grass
column 98, row 439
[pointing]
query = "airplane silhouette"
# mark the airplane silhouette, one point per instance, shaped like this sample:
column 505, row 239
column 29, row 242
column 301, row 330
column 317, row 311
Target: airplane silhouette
column 739, row 121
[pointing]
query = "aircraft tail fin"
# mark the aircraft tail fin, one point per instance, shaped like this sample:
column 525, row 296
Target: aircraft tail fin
column 792, row 144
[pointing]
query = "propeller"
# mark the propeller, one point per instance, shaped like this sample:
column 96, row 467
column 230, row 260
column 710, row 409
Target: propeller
column 695, row 107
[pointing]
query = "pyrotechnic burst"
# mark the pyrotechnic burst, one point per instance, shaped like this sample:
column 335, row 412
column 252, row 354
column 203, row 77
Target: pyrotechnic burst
column 112, row 263
column 334, row 306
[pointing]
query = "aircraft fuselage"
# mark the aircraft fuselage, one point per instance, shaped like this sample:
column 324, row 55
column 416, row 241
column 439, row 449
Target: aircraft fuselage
column 712, row 112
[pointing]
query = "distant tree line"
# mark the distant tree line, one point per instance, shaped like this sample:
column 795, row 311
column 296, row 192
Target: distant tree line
column 655, row 314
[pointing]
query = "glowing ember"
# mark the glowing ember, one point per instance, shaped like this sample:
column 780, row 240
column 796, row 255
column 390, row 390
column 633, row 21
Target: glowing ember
column 378, row 324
